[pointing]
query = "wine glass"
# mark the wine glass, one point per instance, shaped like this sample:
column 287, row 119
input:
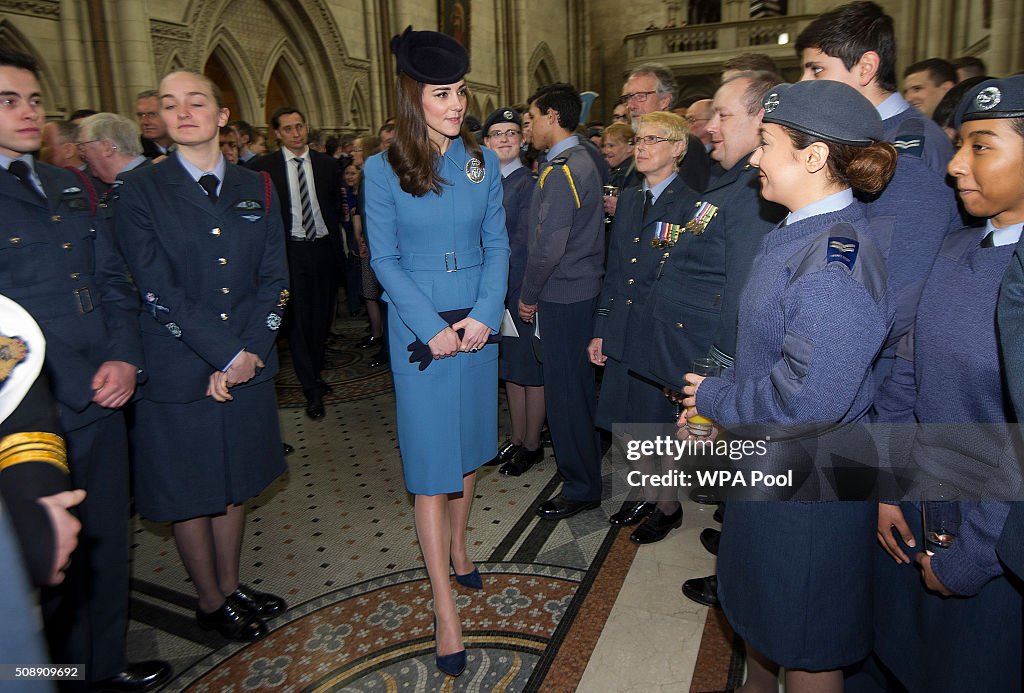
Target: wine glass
column 709, row 368
column 609, row 191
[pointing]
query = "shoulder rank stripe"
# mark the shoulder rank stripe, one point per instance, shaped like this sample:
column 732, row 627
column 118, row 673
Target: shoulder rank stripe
column 33, row 447
column 906, row 144
column 842, row 250
column 568, row 176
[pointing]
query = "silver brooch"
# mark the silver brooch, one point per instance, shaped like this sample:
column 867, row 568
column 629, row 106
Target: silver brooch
column 273, row 321
column 173, row 328
column 475, row 170
column 988, row 98
column 771, row 103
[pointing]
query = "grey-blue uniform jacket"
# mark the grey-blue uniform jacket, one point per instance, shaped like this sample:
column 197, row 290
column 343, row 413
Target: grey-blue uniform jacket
column 694, row 303
column 211, row 283
column 633, row 264
column 60, row 262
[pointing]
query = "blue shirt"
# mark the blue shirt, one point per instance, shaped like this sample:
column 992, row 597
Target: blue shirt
column 832, row 203
column 894, row 105
column 660, row 187
column 134, row 163
column 570, row 141
column 198, row 173
column 1008, row 235
column 511, row 167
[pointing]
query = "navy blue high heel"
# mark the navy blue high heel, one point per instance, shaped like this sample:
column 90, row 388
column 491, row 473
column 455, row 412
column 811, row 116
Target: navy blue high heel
column 471, row 580
column 452, row 664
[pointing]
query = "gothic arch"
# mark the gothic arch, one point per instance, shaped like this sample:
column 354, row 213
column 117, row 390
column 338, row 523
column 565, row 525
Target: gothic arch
column 53, row 95
column 490, row 107
column 226, row 48
column 317, row 47
column 285, row 58
column 359, row 109
column 542, row 68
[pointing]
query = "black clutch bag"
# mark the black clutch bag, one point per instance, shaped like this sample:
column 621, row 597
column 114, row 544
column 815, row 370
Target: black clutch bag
column 420, row 352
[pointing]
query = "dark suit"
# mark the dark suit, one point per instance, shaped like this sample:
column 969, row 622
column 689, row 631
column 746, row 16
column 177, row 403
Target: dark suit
column 61, row 264
column 1010, row 314
column 311, row 265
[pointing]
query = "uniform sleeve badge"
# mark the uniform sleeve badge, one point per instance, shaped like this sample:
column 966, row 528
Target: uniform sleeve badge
column 475, row 170
column 703, row 216
column 273, row 322
column 843, row 250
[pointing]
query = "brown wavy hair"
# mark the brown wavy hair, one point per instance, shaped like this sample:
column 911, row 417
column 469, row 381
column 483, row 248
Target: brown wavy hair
column 411, row 154
column 867, row 169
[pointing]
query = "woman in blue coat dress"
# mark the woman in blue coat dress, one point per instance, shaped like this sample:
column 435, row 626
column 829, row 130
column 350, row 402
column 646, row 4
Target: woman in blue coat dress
column 813, row 316
column 207, row 255
column 438, row 243
column 952, row 621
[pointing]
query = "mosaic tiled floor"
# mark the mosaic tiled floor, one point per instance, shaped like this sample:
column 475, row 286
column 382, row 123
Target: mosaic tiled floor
column 335, row 537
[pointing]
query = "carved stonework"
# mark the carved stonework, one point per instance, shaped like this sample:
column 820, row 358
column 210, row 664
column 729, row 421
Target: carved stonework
column 170, row 30
column 48, row 9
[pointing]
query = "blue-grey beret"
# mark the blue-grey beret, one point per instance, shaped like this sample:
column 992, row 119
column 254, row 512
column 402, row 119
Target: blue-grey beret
column 430, row 56
column 993, row 98
column 833, row 111
column 506, row 114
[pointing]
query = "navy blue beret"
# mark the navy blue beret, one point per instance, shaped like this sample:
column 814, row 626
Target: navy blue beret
column 430, row 57
column 993, row 98
column 833, row 111
column 506, row 114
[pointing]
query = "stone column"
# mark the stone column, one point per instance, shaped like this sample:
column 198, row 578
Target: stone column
column 81, row 86
column 134, row 62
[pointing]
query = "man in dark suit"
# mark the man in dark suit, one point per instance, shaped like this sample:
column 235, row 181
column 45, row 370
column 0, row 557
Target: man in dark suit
column 62, row 265
column 309, row 186
column 154, row 140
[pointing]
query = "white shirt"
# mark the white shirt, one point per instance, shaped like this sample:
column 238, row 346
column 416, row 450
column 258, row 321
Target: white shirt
column 293, row 191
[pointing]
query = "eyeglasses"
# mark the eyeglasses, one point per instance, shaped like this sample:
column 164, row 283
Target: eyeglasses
column 510, row 133
column 82, row 144
column 691, row 120
column 649, row 140
column 640, row 96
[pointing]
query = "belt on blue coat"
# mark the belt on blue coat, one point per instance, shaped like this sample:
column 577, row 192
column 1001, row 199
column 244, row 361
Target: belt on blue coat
column 447, row 262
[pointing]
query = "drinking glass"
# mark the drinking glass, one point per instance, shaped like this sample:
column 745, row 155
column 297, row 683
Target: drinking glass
column 940, row 515
column 609, row 191
column 699, row 425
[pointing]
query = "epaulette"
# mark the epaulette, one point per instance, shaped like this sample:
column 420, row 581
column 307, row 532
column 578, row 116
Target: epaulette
column 35, row 446
column 842, row 245
column 909, row 138
column 560, row 162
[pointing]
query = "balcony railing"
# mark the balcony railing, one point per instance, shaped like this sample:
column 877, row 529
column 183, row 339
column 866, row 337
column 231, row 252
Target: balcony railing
column 755, row 34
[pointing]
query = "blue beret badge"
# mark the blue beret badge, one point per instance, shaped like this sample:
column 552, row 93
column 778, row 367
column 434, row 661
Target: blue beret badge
column 508, row 115
column 988, row 98
column 273, row 321
column 475, row 170
column 771, row 103
column 842, row 249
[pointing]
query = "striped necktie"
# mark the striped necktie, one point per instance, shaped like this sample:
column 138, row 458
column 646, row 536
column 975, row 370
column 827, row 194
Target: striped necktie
column 308, row 225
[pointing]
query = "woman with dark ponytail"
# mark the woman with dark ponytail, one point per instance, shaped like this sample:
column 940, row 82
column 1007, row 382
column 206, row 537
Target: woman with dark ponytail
column 436, row 229
column 792, row 574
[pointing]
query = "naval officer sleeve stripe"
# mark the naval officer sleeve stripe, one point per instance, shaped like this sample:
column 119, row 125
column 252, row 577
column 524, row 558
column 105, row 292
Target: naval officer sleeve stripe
column 33, row 447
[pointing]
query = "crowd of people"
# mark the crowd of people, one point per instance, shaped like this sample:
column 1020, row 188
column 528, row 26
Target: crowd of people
column 834, row 250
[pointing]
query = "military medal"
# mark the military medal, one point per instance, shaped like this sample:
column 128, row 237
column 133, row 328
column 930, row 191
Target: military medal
column 475, row 170
column 705, row 213
column 666, row 234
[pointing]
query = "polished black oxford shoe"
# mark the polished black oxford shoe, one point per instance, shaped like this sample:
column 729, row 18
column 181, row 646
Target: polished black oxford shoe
column 709, row 539
column 259, row 603
column 702, row 590
column 632, row 512
column 657, row 526
column 233, row 622
column 559, row 508
column 141, row 676
column 522, row 461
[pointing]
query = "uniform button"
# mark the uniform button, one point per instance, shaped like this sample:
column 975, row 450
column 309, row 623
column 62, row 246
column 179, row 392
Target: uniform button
column 223, row 316
column 75, row 275
column 629, row 301
column 631, row 281
column 636, row 239
column 222, row 261
column 214, row 232
column 665, row 256
column 55, row 218
column 633, row 261
column 15, row 240
column 225, row 290
column 680, row 325
column 65, row 246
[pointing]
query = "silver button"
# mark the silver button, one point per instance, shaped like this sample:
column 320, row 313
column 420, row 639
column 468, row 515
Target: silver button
column 636, row 239
column 15, row 240
column 55, row 218
column 680, row 325
column 65, row 246
column 75, row 275
column 222, row 261
column 631, row 281
column 633, row 261
column 223, row 316
column 629, row 301
column 215, row 232
column 225, row 290
column 665, row 256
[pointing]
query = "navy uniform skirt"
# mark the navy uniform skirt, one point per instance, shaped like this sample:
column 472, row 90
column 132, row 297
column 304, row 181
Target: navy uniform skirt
column 795, row 580
column 196, row 458
column 518, row 362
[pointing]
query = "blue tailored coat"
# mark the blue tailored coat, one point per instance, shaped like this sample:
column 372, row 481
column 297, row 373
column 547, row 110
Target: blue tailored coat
column 694, row 303
column 213, row 280
column 431, row 254
column 60, row 262
column 633, row 264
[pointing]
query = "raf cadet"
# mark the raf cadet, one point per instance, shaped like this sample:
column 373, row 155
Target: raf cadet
column 856, row 44
column 61, row 264
column 564, row 266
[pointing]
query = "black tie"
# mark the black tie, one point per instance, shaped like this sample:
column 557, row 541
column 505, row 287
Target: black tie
column 209, row 183
column 20, row 170
column 988, row 241
column 648, row 203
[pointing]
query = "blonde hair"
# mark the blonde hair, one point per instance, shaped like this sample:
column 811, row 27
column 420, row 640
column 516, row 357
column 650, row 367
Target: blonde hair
column 673, row 125
column 617, row 131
